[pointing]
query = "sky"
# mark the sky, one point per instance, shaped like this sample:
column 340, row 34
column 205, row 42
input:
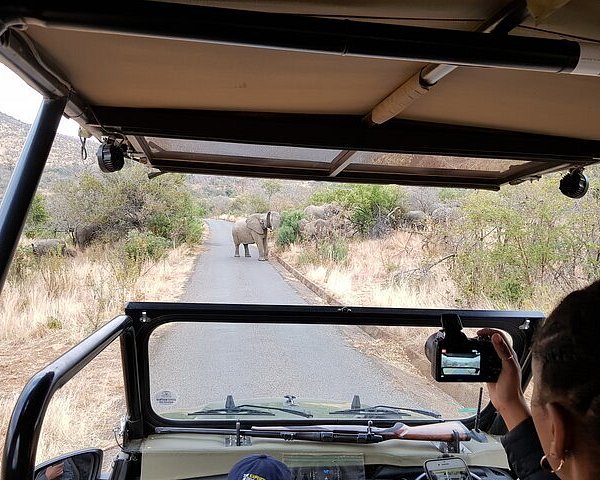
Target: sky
column 22, row 102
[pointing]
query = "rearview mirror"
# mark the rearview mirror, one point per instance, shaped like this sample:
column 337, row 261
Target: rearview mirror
column 80, row 465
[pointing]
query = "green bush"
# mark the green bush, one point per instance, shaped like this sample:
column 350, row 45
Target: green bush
column 289, row 231
column 367, row 204
column 37, row 218
column 141, row 246
column 53, row 323
column 517, row 245
column 127, row 200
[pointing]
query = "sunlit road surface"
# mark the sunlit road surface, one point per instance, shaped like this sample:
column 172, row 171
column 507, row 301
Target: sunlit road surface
column 203, row 363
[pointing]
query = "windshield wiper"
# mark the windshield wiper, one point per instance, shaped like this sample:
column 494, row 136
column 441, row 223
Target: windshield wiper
column 383, row 410
column 250, row 410
column 232, row 409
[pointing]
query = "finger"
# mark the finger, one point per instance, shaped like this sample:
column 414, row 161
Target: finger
column 505, row 353
column 490, row 332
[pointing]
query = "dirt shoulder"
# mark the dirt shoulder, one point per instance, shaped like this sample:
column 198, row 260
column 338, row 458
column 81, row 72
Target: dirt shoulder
column 83, row 412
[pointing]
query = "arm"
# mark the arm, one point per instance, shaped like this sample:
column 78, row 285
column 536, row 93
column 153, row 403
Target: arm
column 524, row 451
column 522, row 445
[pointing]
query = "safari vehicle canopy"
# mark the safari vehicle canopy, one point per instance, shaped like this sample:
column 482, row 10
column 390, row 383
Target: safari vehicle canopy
column 471, row 94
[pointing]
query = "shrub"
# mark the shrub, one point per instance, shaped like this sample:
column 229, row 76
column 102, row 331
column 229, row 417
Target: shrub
column 515, row 244
column 289, row 231
column 336, row 252
column 141, row 246
column 37, row 218
column 128, row 200
column 53, row 323
column 367, row 204
column 324, row 252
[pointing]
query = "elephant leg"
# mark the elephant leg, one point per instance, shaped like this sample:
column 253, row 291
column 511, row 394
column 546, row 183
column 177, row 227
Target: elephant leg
column 246, row 250
column 237, row 250
column 266, row 247
column 258, row 239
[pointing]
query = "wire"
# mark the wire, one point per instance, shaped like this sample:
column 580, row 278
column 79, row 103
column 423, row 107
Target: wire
column 115, row 429
column 84, row 153
column 42, row 63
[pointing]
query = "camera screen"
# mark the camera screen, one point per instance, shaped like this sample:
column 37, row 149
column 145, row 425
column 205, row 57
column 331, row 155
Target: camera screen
column 446, row 473
column 464, row 363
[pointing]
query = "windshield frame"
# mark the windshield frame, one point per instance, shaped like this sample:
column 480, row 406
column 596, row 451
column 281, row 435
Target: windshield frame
column 148, row 316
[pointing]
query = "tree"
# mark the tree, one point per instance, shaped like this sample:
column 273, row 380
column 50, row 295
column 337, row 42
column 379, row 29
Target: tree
column 37, row 218
column 271, row 187
column 127, row 200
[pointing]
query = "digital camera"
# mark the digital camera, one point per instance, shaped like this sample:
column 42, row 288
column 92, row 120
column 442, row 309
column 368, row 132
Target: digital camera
column 456, row 358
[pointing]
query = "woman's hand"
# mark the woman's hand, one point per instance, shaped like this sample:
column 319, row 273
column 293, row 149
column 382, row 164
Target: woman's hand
column 506, row 394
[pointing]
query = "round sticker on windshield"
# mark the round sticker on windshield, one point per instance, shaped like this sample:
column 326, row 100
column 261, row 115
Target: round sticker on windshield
column 165, row 398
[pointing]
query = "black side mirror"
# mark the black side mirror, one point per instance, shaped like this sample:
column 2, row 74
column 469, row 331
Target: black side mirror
column 80, row 465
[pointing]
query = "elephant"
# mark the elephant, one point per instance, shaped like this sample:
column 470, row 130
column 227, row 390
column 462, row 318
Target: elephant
column 416, row 219
column 322, row 211
column 254, row 229
column 84, row 234
column 49, row 246
column 444, row 214
column 308, row 229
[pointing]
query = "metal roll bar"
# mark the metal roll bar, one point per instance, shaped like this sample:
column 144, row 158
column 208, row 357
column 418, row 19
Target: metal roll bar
column 18, row 460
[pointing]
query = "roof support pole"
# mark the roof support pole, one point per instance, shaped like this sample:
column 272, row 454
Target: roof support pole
column 25, row 178
column 420, row 83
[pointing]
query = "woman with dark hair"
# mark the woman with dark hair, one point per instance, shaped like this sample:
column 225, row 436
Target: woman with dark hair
column 560, row 435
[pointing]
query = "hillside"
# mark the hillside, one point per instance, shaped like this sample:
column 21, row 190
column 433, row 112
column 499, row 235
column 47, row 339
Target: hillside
column 64, row 160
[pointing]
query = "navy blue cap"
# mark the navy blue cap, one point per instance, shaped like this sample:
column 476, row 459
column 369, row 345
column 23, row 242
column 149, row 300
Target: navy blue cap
column 259, row 467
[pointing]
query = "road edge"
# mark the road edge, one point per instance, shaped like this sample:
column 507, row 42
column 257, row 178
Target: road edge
column 320, row 292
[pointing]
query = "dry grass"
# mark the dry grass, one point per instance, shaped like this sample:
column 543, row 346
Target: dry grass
column 76, row 295
column 46, row 313
column 388, row 272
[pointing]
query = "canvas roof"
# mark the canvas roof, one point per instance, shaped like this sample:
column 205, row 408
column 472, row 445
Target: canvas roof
column 196, row 105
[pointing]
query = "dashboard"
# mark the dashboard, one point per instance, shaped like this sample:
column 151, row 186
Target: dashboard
column 194, row 457
column 378, row 472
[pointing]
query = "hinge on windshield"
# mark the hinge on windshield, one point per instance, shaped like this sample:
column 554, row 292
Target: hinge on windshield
column 525, row 325
column 120, row 430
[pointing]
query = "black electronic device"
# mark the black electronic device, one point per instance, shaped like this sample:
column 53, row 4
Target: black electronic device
column 456, row 358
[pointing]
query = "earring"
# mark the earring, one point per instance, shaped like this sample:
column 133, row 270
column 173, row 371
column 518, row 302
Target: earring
column 546, row 467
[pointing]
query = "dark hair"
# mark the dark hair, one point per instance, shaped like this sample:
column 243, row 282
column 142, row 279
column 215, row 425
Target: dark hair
column 567, row 347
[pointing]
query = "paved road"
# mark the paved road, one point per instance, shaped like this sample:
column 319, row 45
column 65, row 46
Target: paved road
column 202, row 363
column 220, row 278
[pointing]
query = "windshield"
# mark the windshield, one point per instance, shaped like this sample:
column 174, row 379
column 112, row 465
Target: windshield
column 208, row 371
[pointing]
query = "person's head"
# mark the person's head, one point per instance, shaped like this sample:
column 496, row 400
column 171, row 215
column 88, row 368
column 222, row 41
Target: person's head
column 259, row 467
column 566, row 397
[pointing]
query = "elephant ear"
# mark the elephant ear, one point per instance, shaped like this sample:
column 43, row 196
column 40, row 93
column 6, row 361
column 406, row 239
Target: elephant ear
column 256, row 224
